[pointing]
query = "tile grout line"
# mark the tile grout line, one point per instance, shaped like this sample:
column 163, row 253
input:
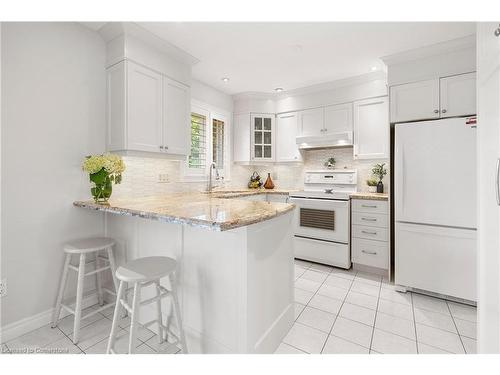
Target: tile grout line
column 414, row 320
column 375, row 318
column 456, row 327
column 338, row 313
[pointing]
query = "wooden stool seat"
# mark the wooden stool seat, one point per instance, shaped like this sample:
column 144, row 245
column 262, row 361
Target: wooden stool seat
column 141, row 273
column 88, row 245
column 146, row 269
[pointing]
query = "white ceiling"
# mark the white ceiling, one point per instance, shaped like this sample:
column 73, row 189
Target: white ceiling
column 262, row 56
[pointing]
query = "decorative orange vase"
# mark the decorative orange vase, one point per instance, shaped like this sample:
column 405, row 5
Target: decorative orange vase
column 269, row 182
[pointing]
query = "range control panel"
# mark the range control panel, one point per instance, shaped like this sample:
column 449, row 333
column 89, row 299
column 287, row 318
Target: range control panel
column 332, row 177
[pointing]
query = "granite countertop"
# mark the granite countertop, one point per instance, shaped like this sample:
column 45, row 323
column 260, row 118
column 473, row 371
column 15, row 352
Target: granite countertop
column 211, row 210
column 370, row 196
column 234, row 193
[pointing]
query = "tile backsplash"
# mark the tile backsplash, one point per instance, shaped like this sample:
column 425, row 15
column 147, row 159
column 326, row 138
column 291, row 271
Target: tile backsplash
column 142, row 176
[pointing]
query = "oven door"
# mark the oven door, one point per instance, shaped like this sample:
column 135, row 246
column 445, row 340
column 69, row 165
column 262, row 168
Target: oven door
column 322, row 219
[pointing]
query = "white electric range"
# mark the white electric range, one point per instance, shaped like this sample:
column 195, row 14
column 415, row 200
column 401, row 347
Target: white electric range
column 322, row 218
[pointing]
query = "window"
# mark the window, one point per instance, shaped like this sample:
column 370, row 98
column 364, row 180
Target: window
column 198, row 153
column 218, row 143
column 209, row 143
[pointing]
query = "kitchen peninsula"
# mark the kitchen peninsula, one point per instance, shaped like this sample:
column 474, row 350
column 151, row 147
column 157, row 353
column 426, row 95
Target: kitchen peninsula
column 235, row 258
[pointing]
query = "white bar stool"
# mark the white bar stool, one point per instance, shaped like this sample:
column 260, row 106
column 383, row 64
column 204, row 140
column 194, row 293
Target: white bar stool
column 83, row 248
column 143, row 272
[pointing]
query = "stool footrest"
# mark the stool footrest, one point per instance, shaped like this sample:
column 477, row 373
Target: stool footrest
column 126, row 306
column 104, row 307
column 68, row 309
column 109, row 291
column 155, row 298
column 98, row 270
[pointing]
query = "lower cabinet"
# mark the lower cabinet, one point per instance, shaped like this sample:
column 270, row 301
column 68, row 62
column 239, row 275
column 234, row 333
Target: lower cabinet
column 370, row 233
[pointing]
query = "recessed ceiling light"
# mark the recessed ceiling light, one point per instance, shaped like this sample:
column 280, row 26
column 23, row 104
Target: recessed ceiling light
column 278, row 89
column 374, row 68
column 225, row 79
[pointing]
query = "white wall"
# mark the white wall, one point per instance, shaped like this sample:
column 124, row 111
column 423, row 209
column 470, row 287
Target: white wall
column 53, row 114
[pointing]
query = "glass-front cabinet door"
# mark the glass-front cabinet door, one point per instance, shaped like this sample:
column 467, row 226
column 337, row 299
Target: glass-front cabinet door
column 262, row 137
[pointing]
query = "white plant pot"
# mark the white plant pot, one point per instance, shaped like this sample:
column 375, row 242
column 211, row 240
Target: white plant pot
column 372, row 189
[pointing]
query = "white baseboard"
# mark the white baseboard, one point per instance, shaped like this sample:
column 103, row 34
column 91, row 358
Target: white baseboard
column 19, row 328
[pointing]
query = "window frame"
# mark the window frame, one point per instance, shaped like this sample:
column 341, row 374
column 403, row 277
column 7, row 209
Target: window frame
column 211, row 113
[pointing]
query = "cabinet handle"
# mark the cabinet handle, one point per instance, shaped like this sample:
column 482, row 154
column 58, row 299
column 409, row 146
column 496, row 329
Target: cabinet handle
column 161, row 147
column 366, row 232
column 368, row 206
column 369, row 252
column 436, row 111
column 368, row 219
column 166, row 147
column 443, row 111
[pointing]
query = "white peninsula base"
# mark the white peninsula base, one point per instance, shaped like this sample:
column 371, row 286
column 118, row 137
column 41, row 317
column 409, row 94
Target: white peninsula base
column 235, row 286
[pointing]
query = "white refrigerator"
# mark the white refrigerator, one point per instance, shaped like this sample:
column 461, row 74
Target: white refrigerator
column 435, row 178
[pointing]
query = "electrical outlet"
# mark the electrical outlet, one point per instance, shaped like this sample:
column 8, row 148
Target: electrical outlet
column 163, row 177
column 3, row 288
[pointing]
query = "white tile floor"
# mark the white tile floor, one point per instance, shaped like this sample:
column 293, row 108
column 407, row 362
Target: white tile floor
column 338, row 311
column 94, row 334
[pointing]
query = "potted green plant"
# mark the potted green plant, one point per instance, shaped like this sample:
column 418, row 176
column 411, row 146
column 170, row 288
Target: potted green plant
column 372, row 185
column 330, row 163
column 379, row 171
column 103, row 170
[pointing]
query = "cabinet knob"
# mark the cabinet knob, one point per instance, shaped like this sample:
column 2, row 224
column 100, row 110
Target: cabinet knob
column 161, row 147
column 443, row 111
column 166, row 147
column 436, row 111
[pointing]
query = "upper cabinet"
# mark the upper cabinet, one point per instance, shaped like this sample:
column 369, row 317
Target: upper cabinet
column 241, row 138
column 287, row 129
column 371, row 129
column 458, row 95
column 415, row 101
column 262, row 133
column 437, row 98
column 176, row 118
column 338, row 118
column 312, row 122
column 146, row 111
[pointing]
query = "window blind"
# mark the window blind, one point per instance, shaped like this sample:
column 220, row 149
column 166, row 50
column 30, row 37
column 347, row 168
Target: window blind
column 198, row 142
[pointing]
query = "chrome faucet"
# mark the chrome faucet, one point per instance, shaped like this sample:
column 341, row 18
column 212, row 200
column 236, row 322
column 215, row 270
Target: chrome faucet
column 210, row 180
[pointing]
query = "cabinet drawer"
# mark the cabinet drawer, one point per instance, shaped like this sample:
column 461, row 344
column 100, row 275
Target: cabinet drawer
column 370, row 233
column 370, row 219
column 370, row 253
column 370, row 206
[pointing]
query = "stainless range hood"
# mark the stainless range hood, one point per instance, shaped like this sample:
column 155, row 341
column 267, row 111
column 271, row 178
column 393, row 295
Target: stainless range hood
column 341, row 139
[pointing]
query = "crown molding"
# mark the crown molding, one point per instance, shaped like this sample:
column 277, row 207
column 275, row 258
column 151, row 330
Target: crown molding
column 321, row 87
column 113, row 30
column 431, row 50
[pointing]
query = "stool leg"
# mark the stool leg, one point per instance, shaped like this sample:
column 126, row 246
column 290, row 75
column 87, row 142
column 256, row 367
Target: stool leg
column 134, row 318
column 160, row 317
column 116, row 317
column 79, row 297
column 98, row 280
column 112, row 264
column 60, row 294
column 178, row 314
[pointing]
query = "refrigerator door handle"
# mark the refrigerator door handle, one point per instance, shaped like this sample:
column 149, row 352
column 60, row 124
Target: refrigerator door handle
column 497, row 184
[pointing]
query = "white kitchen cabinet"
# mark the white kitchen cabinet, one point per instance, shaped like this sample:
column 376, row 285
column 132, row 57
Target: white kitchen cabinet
column 176, row 119
column 147, row 111
column 286, row 132
column 370, row 233
column 144, row 108
column 262, row 137
column 312, row 122
column 415, row 101
column 241, row 138
column 338, row 118
column 458, row 95
column 436, row 98
column 371, row 129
